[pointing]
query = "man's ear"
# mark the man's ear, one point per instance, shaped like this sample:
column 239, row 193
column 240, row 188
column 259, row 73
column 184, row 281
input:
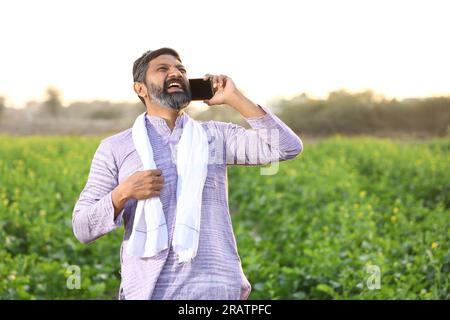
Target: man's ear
column 140, row 89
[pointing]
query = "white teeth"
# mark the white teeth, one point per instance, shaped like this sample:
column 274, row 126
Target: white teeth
column 174, row 84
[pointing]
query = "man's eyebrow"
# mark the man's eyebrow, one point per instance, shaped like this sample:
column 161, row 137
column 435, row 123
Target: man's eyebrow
column 168, row 65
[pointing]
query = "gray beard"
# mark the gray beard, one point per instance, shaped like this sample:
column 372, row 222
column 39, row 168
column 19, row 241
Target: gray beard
column 176, row 100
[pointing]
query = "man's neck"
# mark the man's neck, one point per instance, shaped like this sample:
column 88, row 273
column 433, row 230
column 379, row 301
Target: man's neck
column 170, row 115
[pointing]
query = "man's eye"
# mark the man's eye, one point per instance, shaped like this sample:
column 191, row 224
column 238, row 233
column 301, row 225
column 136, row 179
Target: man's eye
column 182, row 70
column 162, row 69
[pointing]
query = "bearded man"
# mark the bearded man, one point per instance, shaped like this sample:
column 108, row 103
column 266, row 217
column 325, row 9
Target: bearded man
column 166, row 179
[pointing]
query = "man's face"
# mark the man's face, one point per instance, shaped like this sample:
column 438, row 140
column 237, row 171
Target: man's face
column 167, row 82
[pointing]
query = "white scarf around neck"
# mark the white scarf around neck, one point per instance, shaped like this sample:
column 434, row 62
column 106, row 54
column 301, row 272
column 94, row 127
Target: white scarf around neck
column 149, row 235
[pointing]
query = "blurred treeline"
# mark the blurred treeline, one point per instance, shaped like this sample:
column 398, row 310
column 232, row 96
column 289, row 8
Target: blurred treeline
column 366, row 113
column 340, row 113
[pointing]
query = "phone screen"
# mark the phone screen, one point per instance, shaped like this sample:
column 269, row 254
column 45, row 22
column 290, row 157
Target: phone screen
column 201, row 89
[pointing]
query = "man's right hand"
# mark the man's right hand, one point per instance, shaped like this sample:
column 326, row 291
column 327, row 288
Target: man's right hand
column 143, row 184
column 140, row 185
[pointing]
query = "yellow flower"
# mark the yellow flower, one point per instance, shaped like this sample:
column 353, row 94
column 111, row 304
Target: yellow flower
column 434, row 245
column 362, row 194
column 394, row 219
column 395, row 210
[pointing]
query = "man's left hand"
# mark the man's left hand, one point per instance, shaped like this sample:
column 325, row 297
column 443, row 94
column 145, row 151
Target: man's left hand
column 225, row 90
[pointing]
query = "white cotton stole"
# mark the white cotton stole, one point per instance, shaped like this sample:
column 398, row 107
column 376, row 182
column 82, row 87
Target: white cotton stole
column 149, row 235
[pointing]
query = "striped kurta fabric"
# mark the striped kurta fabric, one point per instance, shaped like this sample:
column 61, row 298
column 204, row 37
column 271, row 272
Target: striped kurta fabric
column 216, row 271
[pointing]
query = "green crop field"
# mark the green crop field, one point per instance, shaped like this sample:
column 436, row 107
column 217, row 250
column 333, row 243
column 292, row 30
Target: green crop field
column 315, row 230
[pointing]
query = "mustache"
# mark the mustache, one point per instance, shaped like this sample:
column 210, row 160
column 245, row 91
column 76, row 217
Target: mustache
column 180, row 81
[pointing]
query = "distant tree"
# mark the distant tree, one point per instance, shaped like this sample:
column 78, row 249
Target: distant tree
column 52, row 105
column 366, row 113
column 2, row 106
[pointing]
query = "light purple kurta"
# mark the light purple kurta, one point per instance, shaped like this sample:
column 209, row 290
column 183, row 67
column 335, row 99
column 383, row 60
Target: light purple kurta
column 215, row 272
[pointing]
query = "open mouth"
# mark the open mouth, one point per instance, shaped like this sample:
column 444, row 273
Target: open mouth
column 175, row 86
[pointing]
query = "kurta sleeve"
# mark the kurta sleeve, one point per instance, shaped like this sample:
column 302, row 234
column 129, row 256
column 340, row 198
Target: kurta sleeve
column 269, row 140
column 93, row 214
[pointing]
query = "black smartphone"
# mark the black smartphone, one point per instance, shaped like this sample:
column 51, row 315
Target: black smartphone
column 201, row 89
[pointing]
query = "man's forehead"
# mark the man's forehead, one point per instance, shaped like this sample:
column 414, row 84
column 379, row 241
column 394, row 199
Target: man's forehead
column 165, row 59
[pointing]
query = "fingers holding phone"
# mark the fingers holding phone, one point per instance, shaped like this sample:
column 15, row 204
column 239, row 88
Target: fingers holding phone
column 223, row 88
column 218, row 81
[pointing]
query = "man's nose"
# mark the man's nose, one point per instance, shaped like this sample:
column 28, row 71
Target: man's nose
column 175, row 73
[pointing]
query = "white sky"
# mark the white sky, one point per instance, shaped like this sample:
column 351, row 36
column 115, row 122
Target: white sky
column 270, row 48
